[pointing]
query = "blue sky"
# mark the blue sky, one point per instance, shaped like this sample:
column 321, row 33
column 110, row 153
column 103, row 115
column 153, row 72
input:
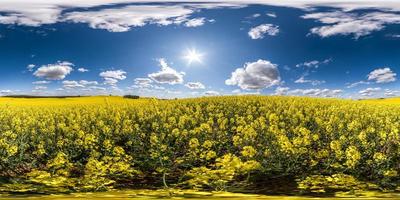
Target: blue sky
column 197, row 48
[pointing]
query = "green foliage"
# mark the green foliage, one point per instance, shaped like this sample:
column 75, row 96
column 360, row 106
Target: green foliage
column 221, row 173
column 333, row 183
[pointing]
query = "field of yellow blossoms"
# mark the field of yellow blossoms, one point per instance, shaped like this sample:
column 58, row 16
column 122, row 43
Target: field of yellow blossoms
column 309, row 145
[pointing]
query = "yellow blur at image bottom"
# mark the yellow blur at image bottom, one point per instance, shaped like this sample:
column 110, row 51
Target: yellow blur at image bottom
column 185, row 194
column 99, row 147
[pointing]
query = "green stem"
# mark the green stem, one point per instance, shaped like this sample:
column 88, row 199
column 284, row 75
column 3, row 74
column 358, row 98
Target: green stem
column 164, row 174
column 164, row 180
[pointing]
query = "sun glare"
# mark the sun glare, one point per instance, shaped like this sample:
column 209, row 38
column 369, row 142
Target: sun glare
column 193, row 56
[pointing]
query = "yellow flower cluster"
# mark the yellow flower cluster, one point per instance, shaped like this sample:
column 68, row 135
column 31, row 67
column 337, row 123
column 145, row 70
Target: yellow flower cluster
column 93, row 143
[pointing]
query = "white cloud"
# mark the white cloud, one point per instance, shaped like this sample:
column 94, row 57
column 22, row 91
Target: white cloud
column 259, row 32
column 391, row 93
column 394, row 35
column 143, row 83
column 110, row 81
column 123, row 19
column 41, row 82
column 167, row 74
column 82, row 69
column 314, row 63
column 85, row 82
column 6, row 92
column 38, row 12
column 315, row 92
column 273, row 15
column 240, row 92
column 369, row 91
column 281, row 90
column 30, row 67
column 211, row 93
column 38, row 88
column 115, row 74
column 72, row 85
column 112, row 77
column 97, row 88
column 57, row 71
column 195, row 85
column 129, row 13
column 313, row 82
column 355, row 84
column 255, row 75
column 174, row 92
column 236, row 91
column 382, row 75
column 195, row 22
column 344, row 23
column 309, row 64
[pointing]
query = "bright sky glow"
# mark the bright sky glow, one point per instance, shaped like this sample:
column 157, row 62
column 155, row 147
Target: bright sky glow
column 193, row 56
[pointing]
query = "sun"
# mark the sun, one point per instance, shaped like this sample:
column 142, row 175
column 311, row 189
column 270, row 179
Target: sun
column 193, row 56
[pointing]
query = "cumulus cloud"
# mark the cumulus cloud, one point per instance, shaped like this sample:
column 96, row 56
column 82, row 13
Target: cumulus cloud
column 167, row 74
column 369, row 91
column 38, row 12
column 344, row 23
column 255, row 75
column 195, row 85
column 112, row 77
column 382, row 75
column 260, row 31
column 82, row 69
column 115, row 74
column 123, row 15
column 123, row 19
column 57, row 71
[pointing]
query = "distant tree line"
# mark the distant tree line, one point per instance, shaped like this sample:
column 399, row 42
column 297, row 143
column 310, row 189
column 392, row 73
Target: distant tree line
column 131, row 96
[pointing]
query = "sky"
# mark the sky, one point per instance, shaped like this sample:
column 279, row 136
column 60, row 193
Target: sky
column 180, row 49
